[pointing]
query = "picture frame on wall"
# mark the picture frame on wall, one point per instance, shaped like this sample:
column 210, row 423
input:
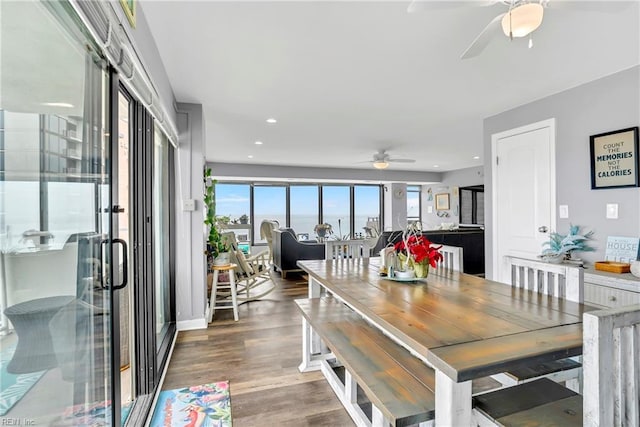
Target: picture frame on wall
column 129, row 7
column 614, row 159
column 442, row 202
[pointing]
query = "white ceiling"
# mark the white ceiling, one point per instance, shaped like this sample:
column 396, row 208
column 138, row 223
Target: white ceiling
column 345, row 79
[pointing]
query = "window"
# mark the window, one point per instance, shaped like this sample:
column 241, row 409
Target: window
column 269, row 202
column 304, row 209
column 336, row 208
column 414, row 206
column 303, row 206
column 366, row 210
column 472, row 205
column 232, row 200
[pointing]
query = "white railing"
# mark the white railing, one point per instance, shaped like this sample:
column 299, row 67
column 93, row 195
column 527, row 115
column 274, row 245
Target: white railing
column 558, row 280
column 336, row 249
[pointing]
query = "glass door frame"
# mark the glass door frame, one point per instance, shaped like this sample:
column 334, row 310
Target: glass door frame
column 149, row 363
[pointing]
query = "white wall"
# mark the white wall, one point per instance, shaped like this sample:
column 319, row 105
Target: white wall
column 191, row 298
column 395, row 206
column 606, row 104
column 146, row 49
column 451, row 181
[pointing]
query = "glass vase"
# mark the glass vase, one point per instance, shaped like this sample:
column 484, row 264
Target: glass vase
column 421, row 270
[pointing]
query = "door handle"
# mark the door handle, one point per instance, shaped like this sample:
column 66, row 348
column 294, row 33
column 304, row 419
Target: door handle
column 104, row 274
column 125, row 264
column 543, row 229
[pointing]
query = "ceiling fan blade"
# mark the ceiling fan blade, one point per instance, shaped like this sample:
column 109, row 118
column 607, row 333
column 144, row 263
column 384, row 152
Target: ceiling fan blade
column 483, row 38
column 401, row 160
column 586, row 6
column 422, row 5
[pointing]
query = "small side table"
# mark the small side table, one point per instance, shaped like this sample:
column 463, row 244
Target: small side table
column 30, row 319
column 231, row 286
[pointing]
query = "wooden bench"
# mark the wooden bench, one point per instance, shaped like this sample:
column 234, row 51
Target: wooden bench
column 398, row 386
column 611, row 382
column 541, row 402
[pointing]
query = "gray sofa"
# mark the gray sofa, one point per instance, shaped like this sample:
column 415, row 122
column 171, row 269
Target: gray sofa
column 287, row 250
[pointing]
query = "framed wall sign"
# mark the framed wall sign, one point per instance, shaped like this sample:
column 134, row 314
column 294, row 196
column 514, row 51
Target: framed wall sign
column 442, row 202
column 614, row 159
column 622, row 249
column 129, row 7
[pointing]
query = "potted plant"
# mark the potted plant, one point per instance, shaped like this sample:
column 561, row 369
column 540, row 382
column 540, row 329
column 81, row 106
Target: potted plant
column 560, row 247
column 416, row 254
column 244, row 219
column 322, row 230
column 217, row 246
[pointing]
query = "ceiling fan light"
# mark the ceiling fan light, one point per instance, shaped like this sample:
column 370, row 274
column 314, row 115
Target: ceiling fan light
column 522, row 20
column 380, row 164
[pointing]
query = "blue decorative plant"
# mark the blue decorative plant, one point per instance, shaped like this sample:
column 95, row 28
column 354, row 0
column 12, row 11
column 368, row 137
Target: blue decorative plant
column 562, row 245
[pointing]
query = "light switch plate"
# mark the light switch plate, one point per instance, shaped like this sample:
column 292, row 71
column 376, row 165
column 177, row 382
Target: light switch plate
column 429, row 209
column 612, row 211
column 564, row 211
column 189, row 205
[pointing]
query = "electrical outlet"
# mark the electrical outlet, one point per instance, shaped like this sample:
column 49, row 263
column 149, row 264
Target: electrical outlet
column 612, row 211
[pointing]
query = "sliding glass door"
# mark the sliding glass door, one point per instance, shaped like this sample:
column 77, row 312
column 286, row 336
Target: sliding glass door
column 123, row 217
column 55, row 252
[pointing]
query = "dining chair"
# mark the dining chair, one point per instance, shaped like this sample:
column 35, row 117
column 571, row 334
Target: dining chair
column 557, row 280
column 451, row 258
column 356, row 248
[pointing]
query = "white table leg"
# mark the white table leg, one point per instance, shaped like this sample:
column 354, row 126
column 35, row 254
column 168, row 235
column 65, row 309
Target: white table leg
column 453, row 402
column 314, row 288
column 212, row 299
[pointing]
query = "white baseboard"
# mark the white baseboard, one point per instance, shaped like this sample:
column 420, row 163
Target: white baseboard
column 186, row 325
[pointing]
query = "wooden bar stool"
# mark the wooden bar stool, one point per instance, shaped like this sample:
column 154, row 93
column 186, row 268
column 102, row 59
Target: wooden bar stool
column 229, row 268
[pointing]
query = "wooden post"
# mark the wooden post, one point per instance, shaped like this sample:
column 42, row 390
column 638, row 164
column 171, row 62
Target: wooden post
column 453, row 402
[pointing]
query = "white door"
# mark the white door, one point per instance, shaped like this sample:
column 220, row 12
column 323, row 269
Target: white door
column 524, row 192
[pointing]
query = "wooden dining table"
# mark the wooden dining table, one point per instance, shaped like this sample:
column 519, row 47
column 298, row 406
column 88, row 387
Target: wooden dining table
column 465, row 327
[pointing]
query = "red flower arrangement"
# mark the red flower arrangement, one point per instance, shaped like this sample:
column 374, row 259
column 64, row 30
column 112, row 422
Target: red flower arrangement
column 417, row 252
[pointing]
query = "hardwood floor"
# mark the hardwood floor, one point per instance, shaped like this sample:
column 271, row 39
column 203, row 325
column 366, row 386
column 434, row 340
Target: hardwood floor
column 259, row 355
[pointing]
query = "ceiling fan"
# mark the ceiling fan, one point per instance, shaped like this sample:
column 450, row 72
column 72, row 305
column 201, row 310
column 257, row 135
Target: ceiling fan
column 381, row 160
column 521, row 19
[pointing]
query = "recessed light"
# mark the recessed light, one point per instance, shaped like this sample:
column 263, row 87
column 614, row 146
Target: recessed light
column 436, row 166
column 58, row 104
column 476, row 157
column 271, row 120
column 258, row 142
column 250, row 156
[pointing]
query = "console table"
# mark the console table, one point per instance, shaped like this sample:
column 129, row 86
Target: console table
column 604, row 289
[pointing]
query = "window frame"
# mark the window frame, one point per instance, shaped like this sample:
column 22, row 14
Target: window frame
column 289, row 184
column 414, row 189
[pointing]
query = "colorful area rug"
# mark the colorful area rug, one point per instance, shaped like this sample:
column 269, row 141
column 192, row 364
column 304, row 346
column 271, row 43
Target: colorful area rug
column 207, row 405
column 13, row 387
